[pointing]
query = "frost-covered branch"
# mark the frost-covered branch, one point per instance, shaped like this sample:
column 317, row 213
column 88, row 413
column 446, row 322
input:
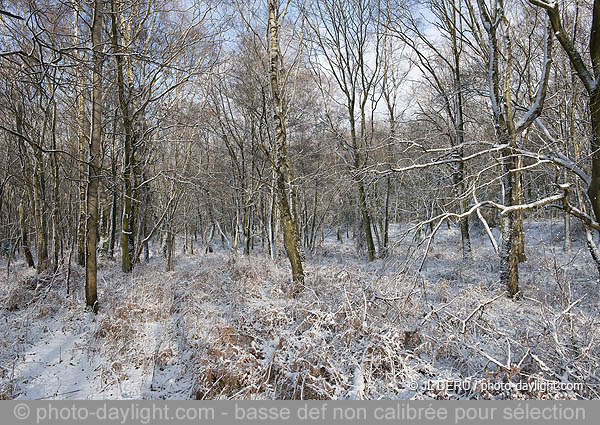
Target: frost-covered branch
column 574, row 56
column 536, row 109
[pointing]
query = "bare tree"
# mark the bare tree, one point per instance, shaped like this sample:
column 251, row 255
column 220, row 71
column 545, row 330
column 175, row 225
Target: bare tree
column 347, row 40
column 91, row 267
column 435, row 59
column 281, row 102
column 496, row 25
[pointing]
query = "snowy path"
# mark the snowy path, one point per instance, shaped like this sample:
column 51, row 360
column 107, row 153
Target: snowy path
column 77, row 355
column 61, row 365
column 57, row 366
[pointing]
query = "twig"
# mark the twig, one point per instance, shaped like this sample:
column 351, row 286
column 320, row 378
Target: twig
column 481, row 306
column 491, row 359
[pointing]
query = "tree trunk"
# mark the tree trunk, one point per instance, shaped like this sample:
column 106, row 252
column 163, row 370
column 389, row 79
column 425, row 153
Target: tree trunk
column 289, row 226
column 509, row 260
column 82, row 213
column 459, row 127
column 81, row 139
column 366, row 221
column 594, row 189
column 170, row 242
column 40, row 215
column 362, row 196
column 56, row 200
column 386, row 217
column 24, row 236
column 91, row 269
column 127, row 236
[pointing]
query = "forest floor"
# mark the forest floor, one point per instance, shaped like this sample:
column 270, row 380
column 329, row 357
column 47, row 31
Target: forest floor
column 231, row 326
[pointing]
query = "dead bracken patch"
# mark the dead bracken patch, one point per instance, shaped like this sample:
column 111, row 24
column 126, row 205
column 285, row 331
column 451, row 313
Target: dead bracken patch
column 227, row 327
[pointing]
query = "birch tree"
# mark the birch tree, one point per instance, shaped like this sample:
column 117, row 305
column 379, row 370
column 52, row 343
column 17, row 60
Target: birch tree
column 279, row 78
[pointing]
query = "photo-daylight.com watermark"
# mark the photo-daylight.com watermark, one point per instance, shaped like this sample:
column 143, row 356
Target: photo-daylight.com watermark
column 457, row 385
column 299, row 412
column 134, row 412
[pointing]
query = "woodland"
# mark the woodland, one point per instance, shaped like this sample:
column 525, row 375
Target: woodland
column 299, row 199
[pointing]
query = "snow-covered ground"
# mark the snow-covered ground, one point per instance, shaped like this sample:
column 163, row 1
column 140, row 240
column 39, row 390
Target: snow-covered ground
column 231, row 326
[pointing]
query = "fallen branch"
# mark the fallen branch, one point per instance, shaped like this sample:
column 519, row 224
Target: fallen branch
column 480, row 307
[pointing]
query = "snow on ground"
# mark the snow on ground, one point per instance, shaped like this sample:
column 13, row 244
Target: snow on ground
column 231, row 326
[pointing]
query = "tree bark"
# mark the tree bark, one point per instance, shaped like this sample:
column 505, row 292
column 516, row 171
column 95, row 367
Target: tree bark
column 459, row 127
column 127, row 236
column 81, row 139
column 56, row 195
column 91, row 269
column 289, row 226
column 24, row 236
